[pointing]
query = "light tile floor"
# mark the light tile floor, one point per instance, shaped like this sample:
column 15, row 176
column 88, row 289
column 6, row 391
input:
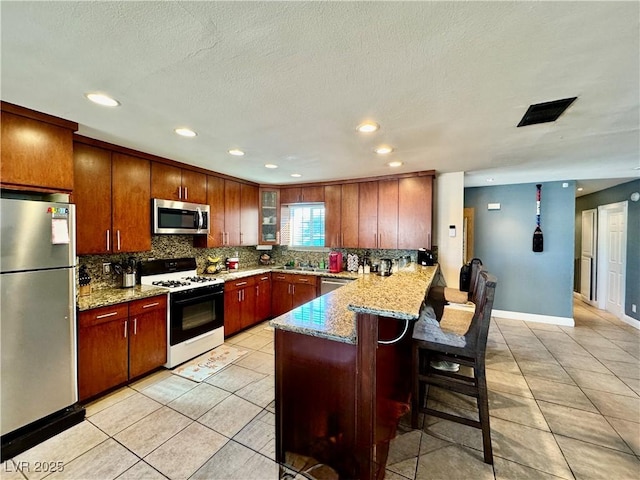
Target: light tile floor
column 564, row 403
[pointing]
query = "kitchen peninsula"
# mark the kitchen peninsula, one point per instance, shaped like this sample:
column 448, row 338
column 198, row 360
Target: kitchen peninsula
column 343, row 364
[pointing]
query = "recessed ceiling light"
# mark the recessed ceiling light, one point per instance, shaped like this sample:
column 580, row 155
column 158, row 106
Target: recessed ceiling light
column 102, row 99
column 394, row 164
column 185, row 132
column 383, row 150
column 489, row 180
column 296, row 175
column 271, row 165
column 367, row 127
column 580, row 189
column 236, row 151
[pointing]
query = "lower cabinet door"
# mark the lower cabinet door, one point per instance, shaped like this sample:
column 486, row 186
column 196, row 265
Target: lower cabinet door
column 248, row 306
column 280, row 297
column 302, row 293
column 263, row 299
column 147, row 342
column 232, row 316
column 102, row 357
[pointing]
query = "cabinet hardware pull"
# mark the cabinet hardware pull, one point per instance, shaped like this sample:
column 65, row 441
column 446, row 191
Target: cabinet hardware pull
column 105, row 315
column 118, row 235
column 264, row 278
column 135, row 326
column 304, row 279
column 239, row 296
column 108, row 239
column 294, row 289
column 289, row 289
column 239, row 284
column 186, row 193
column 126, row 325
column 243, row 294
column 151, row 305
column 179, row 192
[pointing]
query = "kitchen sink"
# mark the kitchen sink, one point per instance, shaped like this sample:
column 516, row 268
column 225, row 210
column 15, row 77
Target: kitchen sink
column 302, row 269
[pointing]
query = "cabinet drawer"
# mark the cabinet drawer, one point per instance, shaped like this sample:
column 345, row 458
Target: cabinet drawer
column 265, row 277
column 239, row 283
column 306, row 279
column 144, row 305
column 281, row 277
column 96, row 316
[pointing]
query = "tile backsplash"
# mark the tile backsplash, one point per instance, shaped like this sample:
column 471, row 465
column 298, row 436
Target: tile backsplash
column 177, row 246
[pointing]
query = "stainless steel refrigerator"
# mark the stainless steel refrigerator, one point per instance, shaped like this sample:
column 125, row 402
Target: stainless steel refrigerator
column 38, row 319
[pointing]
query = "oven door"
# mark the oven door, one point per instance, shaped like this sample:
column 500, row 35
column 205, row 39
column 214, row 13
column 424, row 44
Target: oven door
column 194, row 312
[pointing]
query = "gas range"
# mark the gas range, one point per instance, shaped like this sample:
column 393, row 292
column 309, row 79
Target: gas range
column 196, row 307
column 175, row 274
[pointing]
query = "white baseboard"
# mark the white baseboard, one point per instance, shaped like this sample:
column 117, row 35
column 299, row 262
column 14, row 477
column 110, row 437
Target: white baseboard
column 534, row 317
column 631, row 321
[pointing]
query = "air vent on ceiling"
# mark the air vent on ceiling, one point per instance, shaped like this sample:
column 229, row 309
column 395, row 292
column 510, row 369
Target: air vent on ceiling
column 545, row 112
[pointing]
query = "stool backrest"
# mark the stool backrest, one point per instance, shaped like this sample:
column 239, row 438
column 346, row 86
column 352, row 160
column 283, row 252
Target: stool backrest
column 476, row 336
column 476, row 267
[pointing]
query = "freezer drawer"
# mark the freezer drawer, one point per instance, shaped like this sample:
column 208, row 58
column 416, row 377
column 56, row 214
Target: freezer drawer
column 38, row 355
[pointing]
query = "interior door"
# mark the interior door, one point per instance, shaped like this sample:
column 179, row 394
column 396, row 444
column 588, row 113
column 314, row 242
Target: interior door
column 588, row 255
column 612, row 236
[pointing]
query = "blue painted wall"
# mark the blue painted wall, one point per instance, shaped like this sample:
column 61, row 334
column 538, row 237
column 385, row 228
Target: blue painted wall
column 616, row 194
column 528, row 282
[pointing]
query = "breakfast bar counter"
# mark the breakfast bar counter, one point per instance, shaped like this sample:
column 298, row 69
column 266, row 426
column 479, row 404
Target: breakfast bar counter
column 343, row 364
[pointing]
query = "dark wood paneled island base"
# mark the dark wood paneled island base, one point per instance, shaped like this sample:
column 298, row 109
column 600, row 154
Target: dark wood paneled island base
column 339, row 402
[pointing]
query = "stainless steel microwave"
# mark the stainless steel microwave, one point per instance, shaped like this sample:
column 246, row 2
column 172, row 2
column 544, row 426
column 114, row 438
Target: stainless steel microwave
column 171, row 217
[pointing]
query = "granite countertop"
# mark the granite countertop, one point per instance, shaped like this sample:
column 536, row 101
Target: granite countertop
column 333, row 315
column 113, row 296
column 248, row 272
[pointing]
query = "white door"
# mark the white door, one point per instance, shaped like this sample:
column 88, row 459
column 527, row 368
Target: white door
column 614, row 235
column 588, row 256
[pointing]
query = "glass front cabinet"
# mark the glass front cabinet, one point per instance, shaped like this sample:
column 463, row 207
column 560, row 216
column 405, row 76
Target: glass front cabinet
column 269, row 216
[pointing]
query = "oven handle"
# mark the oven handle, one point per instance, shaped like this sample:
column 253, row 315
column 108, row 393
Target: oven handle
column 201, row 297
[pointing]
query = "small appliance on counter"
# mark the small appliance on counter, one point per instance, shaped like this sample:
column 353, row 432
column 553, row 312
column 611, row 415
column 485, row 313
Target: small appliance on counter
column 386, row 266
column 335, row 262
column 233, row 263
column 425, row 257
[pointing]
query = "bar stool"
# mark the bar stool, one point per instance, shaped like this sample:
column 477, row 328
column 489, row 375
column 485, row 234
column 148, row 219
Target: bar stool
column 433, row 343
column 439, row 296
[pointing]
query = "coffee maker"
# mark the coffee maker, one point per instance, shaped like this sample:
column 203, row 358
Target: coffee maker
column 425, row 257
column 335, row 262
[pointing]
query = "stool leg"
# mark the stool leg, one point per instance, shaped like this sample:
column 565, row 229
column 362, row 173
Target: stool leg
column 415, row 393
column 483, row 414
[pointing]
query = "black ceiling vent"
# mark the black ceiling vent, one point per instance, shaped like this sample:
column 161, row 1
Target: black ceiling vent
column 545, row 112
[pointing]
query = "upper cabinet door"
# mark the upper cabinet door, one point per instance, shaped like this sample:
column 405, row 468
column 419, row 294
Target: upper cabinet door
column 36, row 153
column 388, row 214
column 290, row 195
column 194, row 187
column 92, row 196
column 349, row 214
column 415, row 203
column 308, row 194
column 332, row 214
column 249, row 214
column 166, row 181
column 232, row 213
column 131, row 196
column 215, row 200
column 368, row 215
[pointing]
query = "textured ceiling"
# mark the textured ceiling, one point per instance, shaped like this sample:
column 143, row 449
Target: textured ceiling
column 289, row 81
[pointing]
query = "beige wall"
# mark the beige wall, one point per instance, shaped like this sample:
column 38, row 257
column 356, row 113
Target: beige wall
column 449, row 208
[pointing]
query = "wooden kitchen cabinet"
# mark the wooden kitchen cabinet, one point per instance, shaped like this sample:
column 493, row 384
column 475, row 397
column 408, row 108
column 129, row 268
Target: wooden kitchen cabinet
column 269, row 216
column 119, row 343
column 415, row 203
column 113, row 201
column 289, row 291
column 249, row 200
column 37, row 150
column 239, row 304
column 378, row 214
column 350, row 215
column 102, row 349
column 263, row 297
column 217, row 227
column 174, row 183
column 147, row 335
column 307, row 194
column 332, row 216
